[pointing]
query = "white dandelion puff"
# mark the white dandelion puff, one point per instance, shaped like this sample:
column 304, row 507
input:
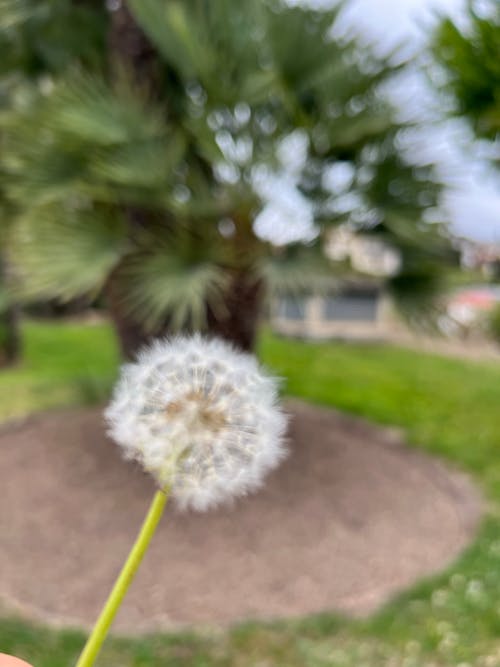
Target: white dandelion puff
column 201, row 417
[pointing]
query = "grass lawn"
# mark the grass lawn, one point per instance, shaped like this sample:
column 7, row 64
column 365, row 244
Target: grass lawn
column 449, row 407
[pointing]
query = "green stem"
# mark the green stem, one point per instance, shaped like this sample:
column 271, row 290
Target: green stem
column 98, row 635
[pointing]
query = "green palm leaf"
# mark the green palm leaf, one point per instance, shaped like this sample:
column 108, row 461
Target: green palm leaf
column 14, row 12
column 65, row 252
column 297, row 269
column 89, row 140
column 141, row 164
column 219, row 44
column 160, row 285
column 470, row 58
column 84, row 107
column 177, row 37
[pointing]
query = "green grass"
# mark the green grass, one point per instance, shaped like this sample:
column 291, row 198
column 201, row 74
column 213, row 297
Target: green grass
column 447, row 406
column 62, row 365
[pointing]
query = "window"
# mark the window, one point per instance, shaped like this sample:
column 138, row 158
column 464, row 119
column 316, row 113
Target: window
column 351, row 305
column 292, row 308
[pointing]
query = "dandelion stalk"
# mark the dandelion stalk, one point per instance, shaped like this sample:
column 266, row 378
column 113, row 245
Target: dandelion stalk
column 101, row 628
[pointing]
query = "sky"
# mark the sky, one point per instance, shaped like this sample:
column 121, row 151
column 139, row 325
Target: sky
column 472, row 197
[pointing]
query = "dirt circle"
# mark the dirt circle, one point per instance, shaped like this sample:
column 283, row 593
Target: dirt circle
column 10, row 661
column 352, row 517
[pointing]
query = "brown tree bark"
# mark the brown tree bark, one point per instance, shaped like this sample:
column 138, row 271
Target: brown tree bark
column 238, row 319
column 10, row 338
column 130, row 51
column 131, row 334
column 129, row 47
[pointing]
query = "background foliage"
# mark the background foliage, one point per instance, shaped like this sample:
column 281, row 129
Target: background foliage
column 137, row 160
column 469, row 56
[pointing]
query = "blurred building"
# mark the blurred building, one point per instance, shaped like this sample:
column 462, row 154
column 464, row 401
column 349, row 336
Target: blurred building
column 355, row 311
column 364, row 253
column 358, row 308
column 478, row 256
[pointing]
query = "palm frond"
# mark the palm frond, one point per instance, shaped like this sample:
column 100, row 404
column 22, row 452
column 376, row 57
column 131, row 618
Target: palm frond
column 330, row 73
column 219, row 44
column 38, row 174
column 356, row 131
column 296, row 269
column 41, row 37
column 85, row 108
column 160, row 285
column 469, row 56
column 65, row 251
column 417, row 292
column 89, row 140
column 167, row 25
column 141, row 164
column 291, row 27
column 15, row 12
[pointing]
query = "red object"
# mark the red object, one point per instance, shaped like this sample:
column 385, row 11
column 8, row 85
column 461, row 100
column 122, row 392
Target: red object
column 10, row 661
column 474, row 299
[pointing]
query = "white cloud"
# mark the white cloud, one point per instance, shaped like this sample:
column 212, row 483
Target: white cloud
column 472, row 199
column 287, row 215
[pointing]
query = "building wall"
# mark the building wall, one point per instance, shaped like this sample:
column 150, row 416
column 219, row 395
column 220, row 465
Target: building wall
column 314, row 325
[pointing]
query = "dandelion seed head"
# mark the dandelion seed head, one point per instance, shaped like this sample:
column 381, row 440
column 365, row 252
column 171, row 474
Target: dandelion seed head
column 201, row 417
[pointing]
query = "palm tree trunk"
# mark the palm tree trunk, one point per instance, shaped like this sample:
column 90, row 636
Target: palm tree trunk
column 131, row 333
column 10, row 340
column 129, row 47
column 238, row 320
column 129, row 50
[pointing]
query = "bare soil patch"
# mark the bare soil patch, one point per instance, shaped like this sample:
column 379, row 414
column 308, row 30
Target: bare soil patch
column 352, row 517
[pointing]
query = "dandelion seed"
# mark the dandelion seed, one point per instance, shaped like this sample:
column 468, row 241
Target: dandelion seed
column 439, row 598
column 475, row 589
column 443, row 627
column 199, row 416
column 413, row 646
column 494, row 548
column 457, row 581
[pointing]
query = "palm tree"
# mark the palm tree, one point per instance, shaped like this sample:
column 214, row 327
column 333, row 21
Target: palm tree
column 9, row 317
column 34, row 46
column 143, row 179
column 470, row 57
